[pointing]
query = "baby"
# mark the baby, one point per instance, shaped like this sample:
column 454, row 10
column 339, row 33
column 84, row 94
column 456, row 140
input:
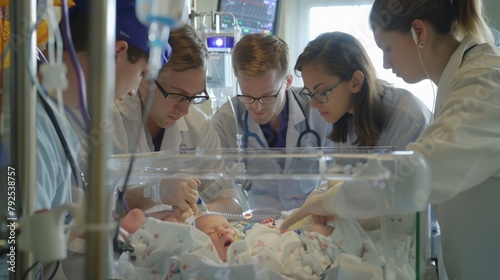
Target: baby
column 214, row 225
column 165, row 248
column 222, row 233
column 219, row 230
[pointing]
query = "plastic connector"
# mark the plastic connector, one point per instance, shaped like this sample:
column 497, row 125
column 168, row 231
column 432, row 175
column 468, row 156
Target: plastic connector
column 54, row 76
column 238, row 167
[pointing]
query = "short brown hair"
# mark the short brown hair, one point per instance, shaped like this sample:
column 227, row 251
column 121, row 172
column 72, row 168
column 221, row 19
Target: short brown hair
column 256, row 54
column 188, row 50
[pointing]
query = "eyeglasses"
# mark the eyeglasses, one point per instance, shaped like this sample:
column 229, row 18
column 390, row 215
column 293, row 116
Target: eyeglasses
column 270, row 99
column 321, row 97
column 179, row 98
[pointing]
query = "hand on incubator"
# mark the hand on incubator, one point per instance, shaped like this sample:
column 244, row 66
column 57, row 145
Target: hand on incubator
column 319, row 206
column 181, row 194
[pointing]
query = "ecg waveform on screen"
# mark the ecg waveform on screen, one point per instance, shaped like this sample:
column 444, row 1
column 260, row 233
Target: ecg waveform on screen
column 253, row 16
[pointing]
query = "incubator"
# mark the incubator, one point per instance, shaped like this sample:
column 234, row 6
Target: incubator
column 388, row 188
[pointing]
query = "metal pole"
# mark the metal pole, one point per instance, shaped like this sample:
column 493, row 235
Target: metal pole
column 23, row 104
column 101, row 84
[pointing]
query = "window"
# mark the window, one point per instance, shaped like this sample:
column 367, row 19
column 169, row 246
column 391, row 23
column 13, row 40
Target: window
column 353, row 19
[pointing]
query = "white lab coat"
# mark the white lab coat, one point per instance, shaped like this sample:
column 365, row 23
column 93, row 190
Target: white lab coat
column 278, row 194
column 225, row 124
column 462, row 147
column 463, row 150
column 407, row 117
column 191, row 132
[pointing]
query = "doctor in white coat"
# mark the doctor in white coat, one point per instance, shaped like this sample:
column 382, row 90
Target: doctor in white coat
column 173, row 122
column 269, row 114
column 305, row 126
column 462, row 144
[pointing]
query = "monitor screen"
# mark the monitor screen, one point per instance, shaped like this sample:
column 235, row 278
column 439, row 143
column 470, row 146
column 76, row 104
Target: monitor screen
column 253, row 16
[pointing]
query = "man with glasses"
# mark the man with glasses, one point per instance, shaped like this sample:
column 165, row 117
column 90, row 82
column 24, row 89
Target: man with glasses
column 173, row 124
column 269, row 114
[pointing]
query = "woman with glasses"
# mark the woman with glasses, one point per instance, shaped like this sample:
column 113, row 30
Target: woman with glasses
column 173, row 124
column 341, row 83
column 340, row 80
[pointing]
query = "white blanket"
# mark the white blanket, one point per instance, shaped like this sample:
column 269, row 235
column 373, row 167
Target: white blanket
column 176, row 251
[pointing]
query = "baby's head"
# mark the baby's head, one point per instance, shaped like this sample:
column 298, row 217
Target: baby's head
column 219, row 230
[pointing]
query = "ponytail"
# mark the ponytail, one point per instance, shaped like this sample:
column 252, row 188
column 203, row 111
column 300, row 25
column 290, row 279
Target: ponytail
column 469, row 20
column 459, row 18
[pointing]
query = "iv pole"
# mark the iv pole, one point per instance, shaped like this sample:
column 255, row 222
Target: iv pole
column 23, row 104
column 23, row 123
column 101, row 85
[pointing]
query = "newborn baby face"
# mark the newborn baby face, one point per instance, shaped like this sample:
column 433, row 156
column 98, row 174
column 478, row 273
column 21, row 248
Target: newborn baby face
column 219, row 230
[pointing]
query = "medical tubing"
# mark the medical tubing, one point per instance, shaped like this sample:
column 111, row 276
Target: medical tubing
column 57, row 34
column 64, row 143
column 41, row 89
column 239, row 137
column 121, row 199
column 389, row 269
column 158, row 35
column 80, row 76
column 429, row 78
column 255, row 215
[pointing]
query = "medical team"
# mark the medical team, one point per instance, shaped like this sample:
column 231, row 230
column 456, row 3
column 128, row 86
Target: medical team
column 452, row 48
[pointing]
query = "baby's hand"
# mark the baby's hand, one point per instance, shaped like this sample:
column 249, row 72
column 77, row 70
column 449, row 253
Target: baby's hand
column 269, row 222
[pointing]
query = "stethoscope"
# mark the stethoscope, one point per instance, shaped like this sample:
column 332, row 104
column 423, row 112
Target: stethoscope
column 247, row 134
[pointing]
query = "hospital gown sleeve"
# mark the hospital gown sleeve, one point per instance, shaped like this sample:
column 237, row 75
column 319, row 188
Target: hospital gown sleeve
column 53, row 175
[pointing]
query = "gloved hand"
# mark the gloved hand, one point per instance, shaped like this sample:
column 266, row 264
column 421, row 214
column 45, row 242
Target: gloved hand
column 319, row 206
column 181, row 193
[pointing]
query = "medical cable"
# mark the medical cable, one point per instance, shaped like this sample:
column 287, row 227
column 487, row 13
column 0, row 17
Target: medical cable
column 79, row 178
column 121, row 193
column 419, row 46
column 67, row 110
column 30, row 269
column 80, row 76
column 77, row 174
column 308, row 130
column 41, row 56
column 238, row 134
column 160, row 20
column 55, row 43
column 247, row 134
column 308, row 127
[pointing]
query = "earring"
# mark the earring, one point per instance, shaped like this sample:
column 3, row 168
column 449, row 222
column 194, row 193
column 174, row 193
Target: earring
column 421, row 45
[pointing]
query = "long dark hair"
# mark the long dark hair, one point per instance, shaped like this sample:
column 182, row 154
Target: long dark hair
column 341, row 55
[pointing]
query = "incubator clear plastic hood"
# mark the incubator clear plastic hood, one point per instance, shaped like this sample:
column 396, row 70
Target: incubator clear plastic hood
column 395, row 188
column 402, row 177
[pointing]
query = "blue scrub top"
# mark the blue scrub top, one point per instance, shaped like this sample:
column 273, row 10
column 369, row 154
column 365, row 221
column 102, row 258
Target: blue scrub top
column 277, row 139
